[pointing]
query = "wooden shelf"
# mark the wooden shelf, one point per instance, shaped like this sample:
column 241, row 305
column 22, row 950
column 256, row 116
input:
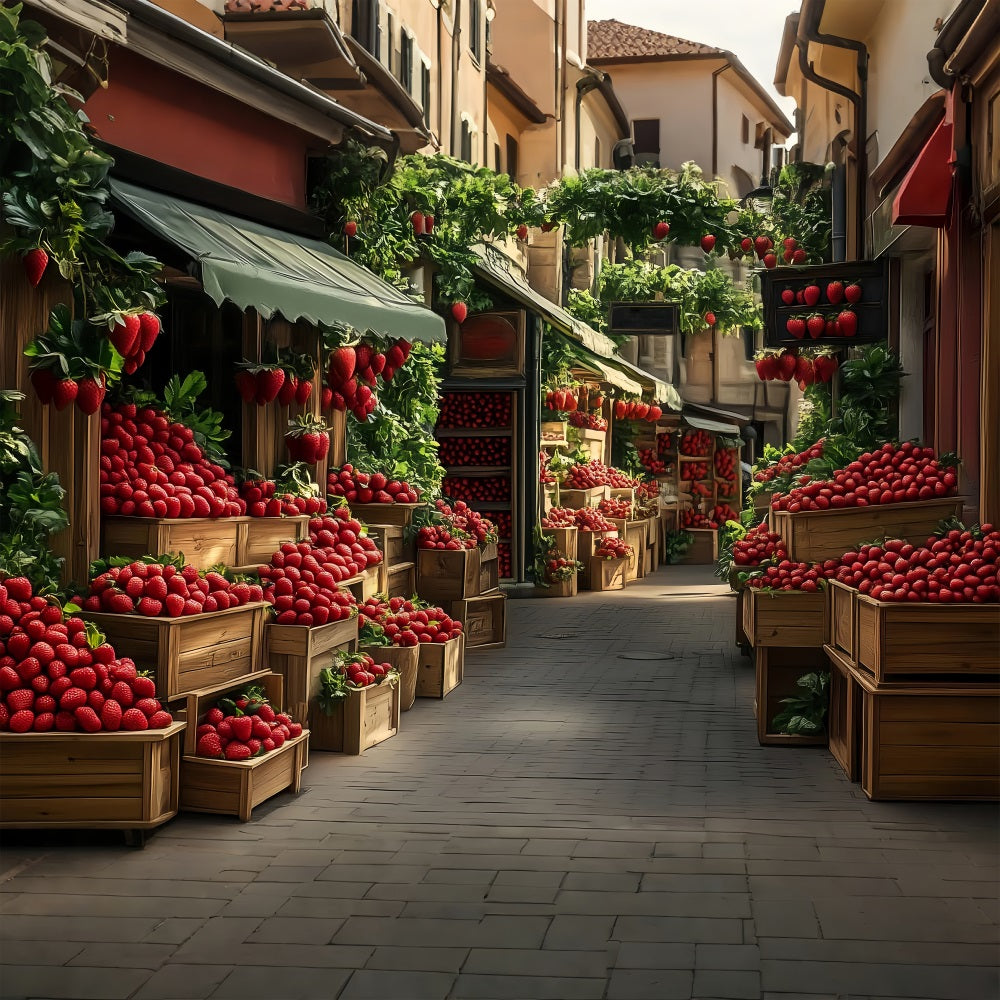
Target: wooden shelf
column 489, row 504
column 477, row 470
column 454, row 432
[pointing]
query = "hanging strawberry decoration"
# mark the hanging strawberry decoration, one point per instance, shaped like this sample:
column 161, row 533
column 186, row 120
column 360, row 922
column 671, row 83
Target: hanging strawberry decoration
column 35, row 262
column 708, row 243
column 307, row 439
column 459, row 311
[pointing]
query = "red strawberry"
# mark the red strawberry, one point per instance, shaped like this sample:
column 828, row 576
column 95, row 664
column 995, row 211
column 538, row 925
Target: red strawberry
column 90, row 395
column 63, row 393
column 44, row 381
column 848, row 323
column 149, row 607
column 796, row 326
column 788, row 297
column 709, row 319
column 708, row 243
column 351, row 230
column 303, row 390
column 761, row 365
column 326, row 398
column 746, row 244
column 174, row 604
column 160, row 720
column 134, row 720
column 761, row 245
column 246, row 383
column 853, row 292
column 770, row 261
column 21, row 722
column 786, row 366
column 23, row 698
column 804, row 370
column 799, row 257
column 417, row 221
column 209, row 745
column 238, row 751
column 121, row 604
column 125, row 335
column 88, row 720
column 149, row 330
column 242, row 727
column 70, row 700
column 660, row 230
column 35, row 262
column 816, row 325
column 835, row 292
column 286, row 394
column 459, row 311
column 148, row 706
column 811, row 294
column 269, row 383
column 343, row 363
column 111, row 715
column 84, row 677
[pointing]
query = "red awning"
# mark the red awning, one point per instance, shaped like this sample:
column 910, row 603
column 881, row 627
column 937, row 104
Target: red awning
column 925, row 192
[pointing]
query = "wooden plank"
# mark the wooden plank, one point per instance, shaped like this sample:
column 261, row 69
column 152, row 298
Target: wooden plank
column 784, row 618
column 441, row 667
column 448, row 575
column 265, row 535
column 607, row 574
column 400, row 514
column 484, row 620
column 843, row 722
column 840, row 615
column 705, row 549
column 406, row 659
column 777, row 671
column 402, row 580
column 203, row 541
column 578, row 499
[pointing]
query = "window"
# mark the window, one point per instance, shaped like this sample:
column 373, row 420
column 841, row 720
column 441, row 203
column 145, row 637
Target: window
column 406, row 59
column 425, row 92
column 646, row 133
column 512, row 164
column 497, row 164
column 597, row 152
column 391, row 55
column 466, row 149
column 475, row 30
column 365, row 24
column 745, row 130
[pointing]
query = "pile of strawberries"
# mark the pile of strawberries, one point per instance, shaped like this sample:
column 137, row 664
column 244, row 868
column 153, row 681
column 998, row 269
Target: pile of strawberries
column 696, row 443
column 694, row 470
column 562, row 400
column 485, row 489
column 616, row 507
column 505, row 560
column 959, row 567
column 596, row 473
column 788, row 575
column 58, row 674
column 635, row 409
column 664, row 443
column 244, row 726
column 759, row 545
column 262, row 500
column 151, row 467
column 559, row 568
column 475, row 409
column 725, row 488
column 789, row 463
column 307, row 439
column 439, row 536
column 653, row 465
column 788, row 366
column 352, row 373
column 723, row 512
column 725, row 463
column 889, row 475
column 502, row 521
column 613, row 548
column 461, row 517
column 306, row 602
column 588, row 421
column 158, row 590
column 586, row 519
column 475, row 451
column 360, row 670
column 700, row 490
column 364, row 487
column 695, row 519
column 408, row 623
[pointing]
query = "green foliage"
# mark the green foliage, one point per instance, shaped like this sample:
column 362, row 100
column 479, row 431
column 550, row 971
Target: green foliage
column 73, row 348
column 558, row 357
column 625, row 455
column 814, row 416
column 729, row 534
column 399, row 440
column 677, row 544
column 805, row 714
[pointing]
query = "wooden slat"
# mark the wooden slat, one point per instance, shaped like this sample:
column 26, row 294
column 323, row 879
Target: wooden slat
column 938, row 734
column 784, row 618
column 265, row 535
column 441, row 667
column 444, row 575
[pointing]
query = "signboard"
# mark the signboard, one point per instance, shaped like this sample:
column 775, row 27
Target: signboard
column 850, row 301
column 647, row 319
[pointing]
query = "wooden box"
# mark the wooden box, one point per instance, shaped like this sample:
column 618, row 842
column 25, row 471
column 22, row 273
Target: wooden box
column 401, row 580
column 653, row 543
column 784, row 618
column 448, row 574
column 399, row 514
column 390, row 539
column 363, row 719
column 844, row 720
column 902, row 640
column 556, row 431
column 742, row 639
column 122, row 780
column 633, row 533
column 561, row 588
column 938, row 742
column 778, row 670
column 578, row 499
column 406, row 659
column 587, row 543
column 566, row 540
column 299, row 653
column 197, row 703
column 365, row 584
column 192, row 652
column 812, row 536
column 704, row 550
column 489, row 576
column 607, row 574
column 839, row 619
column 263, row 536
column 484, row 619
column 593, row 443
column 204, row 541
column 622, row 493
column 234, row 788
column 441, row 667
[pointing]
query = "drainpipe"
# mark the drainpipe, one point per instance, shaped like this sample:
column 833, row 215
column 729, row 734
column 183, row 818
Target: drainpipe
column 456, row 55
column 440, row 60
column 809, row 20
column 583, row 86
column 715, row 117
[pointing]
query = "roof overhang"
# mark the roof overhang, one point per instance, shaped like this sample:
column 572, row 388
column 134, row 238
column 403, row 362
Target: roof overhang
column 498, row 77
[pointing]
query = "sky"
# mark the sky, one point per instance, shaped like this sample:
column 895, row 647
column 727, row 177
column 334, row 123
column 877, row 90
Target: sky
column 751, row 30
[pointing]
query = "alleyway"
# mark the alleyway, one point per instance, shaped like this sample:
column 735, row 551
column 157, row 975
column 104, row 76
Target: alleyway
column 578, row 820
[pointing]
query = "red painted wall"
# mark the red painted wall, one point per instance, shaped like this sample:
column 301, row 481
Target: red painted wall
column 170, row 118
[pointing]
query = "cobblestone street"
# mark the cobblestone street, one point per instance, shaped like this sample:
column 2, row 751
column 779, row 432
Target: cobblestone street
column 578, row 820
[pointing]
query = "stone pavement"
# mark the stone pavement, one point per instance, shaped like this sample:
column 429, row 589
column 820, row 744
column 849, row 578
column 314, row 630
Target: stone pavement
column 567, row 824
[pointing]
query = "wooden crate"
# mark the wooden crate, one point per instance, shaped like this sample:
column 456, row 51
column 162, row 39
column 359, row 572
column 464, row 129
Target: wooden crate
column 197, row 703
column 844, row 720
column 742, row 639
column 367, row 583
column 122, row 780
column 784, row 618
column 390, row 539
column 607, row 574
column 704, row 550
column 401, row 580
column 812, row 536
column 406, row 659
column 441, row 667
column 484, row 619
column 448, row 575
column 489, row 575
column 192, row 652
column 204, row 541
column 633, row 533
column 623, row 493
column 566, row 540
column 839, row 619
column 561, row 588
column 592, row 443
column 778, row 669
column 400, row 514
column 653, row 543
column 263, row 536
column 587, row 543
column 895, row 641
column 363, row 719
column 235, row 788
column 929, row 741
column 578, row 499
column 299, row 653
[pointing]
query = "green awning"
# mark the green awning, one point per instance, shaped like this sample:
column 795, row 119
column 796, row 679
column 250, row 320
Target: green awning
column 715, row 426
column 255, row 266
column 663, row 392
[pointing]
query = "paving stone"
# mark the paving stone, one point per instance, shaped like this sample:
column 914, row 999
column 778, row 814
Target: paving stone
column 123, row 956
column 295, row 930
column 401, row 958
column 376, row 984
column 569, row 932
column 696, row 930
column 289, row 984
column 628, row 984
column 546, row 963
column 726, row 984
column 72, row 983
column 634, row 955
column 476, row 987
column 785, row 918
column 718, row 956
column 183, row 982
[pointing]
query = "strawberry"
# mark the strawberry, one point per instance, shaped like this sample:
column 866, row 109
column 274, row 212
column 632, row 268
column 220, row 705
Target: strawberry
column 238, row 750
column 417, row 221
column 44, row 381
column 148, row 706
column 709, row 319
column 811, row 294
column 84, row 677
column 847, row 321
column 459, row 311
column 746, row 244
column 816, row 325
column 303, row 390
column 761, row 245
column 35, row 262
column 350, row 230
column 22, row 698
column 796, row 326
column 149, row 607
column 209, row 745
column 242, row 726
column 661, row 230
column 788, row 296
column 63, row 393
column 246, row 383
column 133, row 720
column 174, row 604
column 770, row 261
column 708, row 243
column 90, row 395
column 835, row 292
column 286, row 394
column 786, row 366
column 342, row 365
column 121, row 604
column 88, row 720
column 71, row 699
column 799, row 256
column 160, row 720
column 125, row 334
column 22, row 721
column 111, row 715
column 269, row 383
column 853, row 292
column 149, row 330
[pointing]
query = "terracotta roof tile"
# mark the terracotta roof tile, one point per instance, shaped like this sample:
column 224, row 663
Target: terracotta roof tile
column 614, row 40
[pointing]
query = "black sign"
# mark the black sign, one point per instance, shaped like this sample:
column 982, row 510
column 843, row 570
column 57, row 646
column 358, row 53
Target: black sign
column 650, row 319
column 826, row 304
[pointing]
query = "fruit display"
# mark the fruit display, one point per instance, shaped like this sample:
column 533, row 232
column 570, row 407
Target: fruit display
column 664, row 444
column 58, row 673
column 787, row 575
column 694, row 470
column 503, row 522
column 462, row 518
column 339, row 537
column 352, row 373
column 700, row 490
column 695, row 519
column 439, row 536
column 653, row 465
column 595, row 473
column 545, row 474
column 559, row 568
column 726, row 463
column 243, row 725
column 485, row 489
column 633, row 409
column 505, row 560
column 151, row 467
column 889, row 475
column 364, row 487
column 165, row 588
column 561, row 400
column 615, row 507
column 308, row 439
column 359, row 670
column 759, row 545
column 725, row 488
column 613, row 548
column 475, row 451
column 587, row 421
column 723, row 512
column 586, row 519
column 301, row 601
column 404, row 622
column 696, row 443
column 259, row 383
column 270, row 498
column 475, row 409
column 789, row 463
